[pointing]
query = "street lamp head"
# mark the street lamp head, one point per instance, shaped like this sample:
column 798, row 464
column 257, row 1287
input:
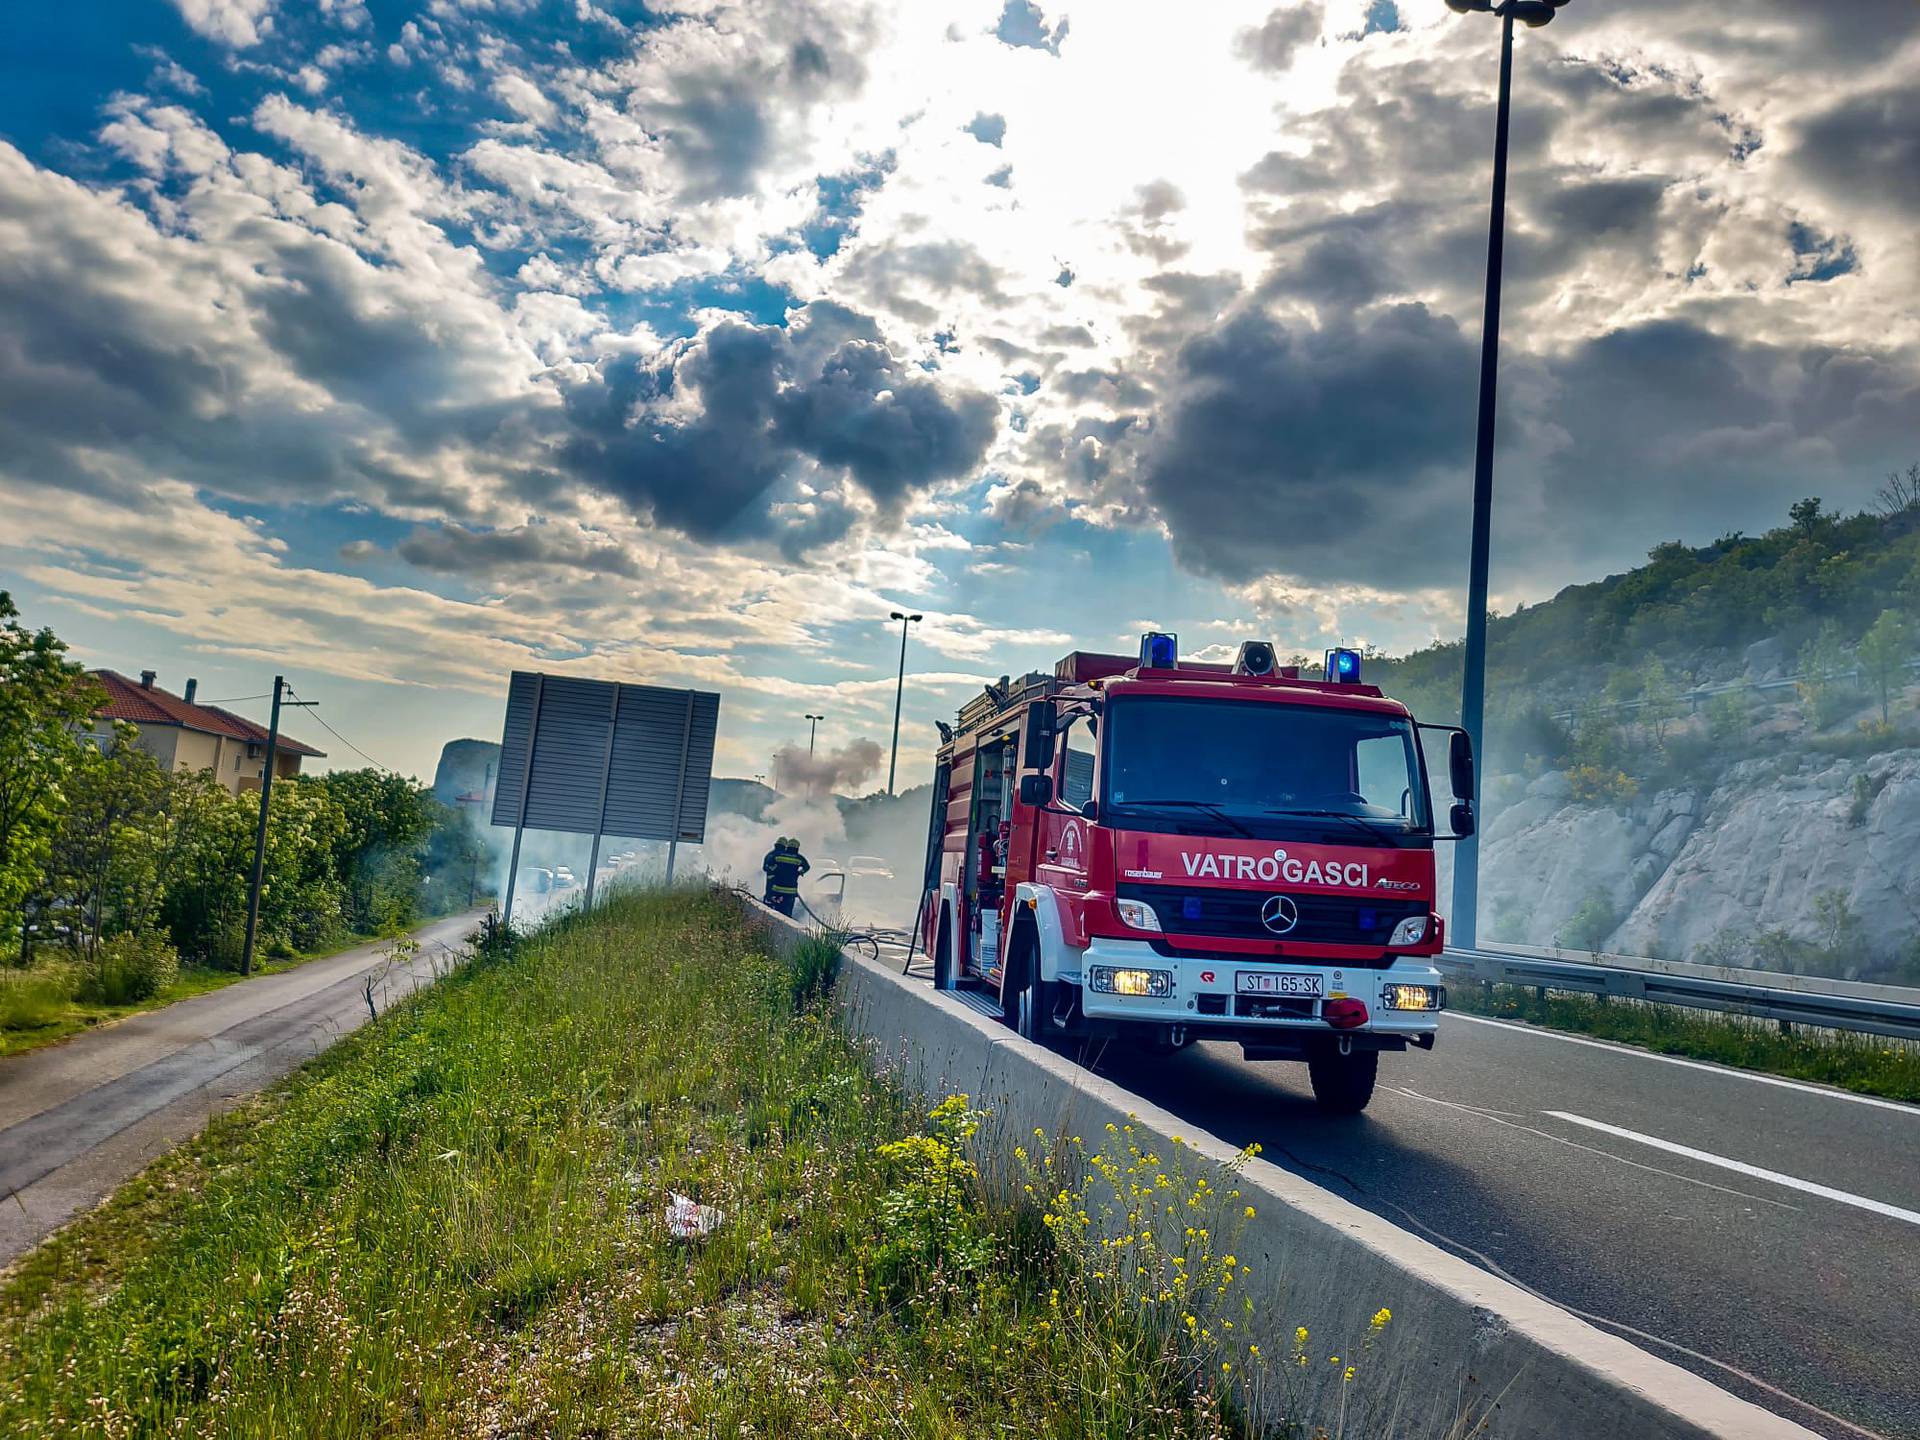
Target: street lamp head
column 1528, row 12
column 896, row 615
column 916, row 619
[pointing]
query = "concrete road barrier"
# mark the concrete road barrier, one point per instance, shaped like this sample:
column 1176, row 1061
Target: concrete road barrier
column 1462, row 1341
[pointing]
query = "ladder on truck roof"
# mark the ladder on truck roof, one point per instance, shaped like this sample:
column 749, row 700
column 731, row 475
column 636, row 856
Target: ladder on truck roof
column 996, row 700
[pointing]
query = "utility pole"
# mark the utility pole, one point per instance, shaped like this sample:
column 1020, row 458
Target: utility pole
column 813, row 727
column 899, row 691
column 1473, row 683
column 260, row 831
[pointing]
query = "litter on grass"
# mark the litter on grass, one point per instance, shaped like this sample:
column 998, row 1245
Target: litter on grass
column 689, row 1219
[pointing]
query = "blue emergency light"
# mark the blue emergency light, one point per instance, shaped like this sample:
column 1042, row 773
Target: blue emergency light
column 1343, row 667
column 1159, row 651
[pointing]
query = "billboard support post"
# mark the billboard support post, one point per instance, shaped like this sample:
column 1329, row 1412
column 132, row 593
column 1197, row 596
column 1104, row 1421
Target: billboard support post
column 680, row 790
column 606, row 774
column 520, row 816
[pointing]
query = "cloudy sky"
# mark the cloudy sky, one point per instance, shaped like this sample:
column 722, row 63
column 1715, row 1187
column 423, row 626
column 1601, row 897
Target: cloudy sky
column 395, row 346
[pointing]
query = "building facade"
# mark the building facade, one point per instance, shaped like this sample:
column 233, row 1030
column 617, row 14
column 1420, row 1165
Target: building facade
column 183, row 735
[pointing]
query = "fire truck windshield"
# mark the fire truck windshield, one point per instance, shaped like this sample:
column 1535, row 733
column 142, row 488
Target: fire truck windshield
column 1262, row 768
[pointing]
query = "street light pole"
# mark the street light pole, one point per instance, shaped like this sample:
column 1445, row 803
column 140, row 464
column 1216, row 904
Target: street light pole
column 813, row 726
column 899, row 691
column 1473, row 684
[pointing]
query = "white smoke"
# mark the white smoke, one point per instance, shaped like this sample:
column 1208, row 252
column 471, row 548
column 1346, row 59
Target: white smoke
column 810, row 805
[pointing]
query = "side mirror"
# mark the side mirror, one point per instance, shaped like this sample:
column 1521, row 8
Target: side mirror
column 1043, row 727
column 1461, row 818
column 1091, row 811
column 1460, row 765
column 1036, row 790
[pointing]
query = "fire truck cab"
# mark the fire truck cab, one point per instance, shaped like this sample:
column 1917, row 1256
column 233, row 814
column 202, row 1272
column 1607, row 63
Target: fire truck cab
column 1156, row 851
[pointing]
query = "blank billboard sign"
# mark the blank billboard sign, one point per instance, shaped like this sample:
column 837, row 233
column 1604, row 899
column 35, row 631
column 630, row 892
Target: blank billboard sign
column 600, row 757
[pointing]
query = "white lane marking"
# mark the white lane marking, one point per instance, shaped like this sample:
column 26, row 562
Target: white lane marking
column 1827, row 1090
column 1494, row 1116
column 1791, row 1182
column 1644, row 1336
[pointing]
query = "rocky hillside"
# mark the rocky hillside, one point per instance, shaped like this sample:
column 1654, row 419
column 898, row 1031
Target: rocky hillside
column 1805, row 863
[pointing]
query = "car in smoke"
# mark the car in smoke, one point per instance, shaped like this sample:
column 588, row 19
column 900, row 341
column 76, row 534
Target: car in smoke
column 869, row 867
column 535, row 879
column 563, row 878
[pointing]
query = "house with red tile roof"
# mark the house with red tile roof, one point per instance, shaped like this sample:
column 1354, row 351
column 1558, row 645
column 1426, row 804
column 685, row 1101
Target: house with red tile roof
column 183, row 735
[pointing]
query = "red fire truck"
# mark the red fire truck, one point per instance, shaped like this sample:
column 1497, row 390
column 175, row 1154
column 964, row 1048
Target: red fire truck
column 1159, row 851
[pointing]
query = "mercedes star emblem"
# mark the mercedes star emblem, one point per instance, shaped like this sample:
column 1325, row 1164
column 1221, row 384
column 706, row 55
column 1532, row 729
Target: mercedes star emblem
column 1279, row 914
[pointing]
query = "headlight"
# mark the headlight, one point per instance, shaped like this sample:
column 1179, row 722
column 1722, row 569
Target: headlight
column 1138, row 914
column 1413, row 997
column 1410, row 931
column 1111, row 980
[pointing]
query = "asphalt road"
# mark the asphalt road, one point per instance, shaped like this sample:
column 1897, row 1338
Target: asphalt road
column 79, row 1118
column 1764, row 1234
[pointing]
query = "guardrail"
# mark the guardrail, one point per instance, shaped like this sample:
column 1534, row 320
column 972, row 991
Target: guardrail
column 1765, row 997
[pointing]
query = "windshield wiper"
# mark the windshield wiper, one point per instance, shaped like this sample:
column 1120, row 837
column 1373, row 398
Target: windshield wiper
column 1357, row 822
column 1211, row 808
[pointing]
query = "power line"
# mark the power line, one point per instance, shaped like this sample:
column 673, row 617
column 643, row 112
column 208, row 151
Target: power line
column 349, row 744
column 236, row 699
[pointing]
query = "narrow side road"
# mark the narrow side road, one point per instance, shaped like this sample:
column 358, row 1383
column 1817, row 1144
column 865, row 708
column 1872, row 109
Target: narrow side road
column 79, row 1118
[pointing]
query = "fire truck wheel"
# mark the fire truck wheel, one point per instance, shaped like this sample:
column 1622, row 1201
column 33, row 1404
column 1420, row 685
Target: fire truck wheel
column 943, row 956
column 1343, row 1084
column 1022, row 1007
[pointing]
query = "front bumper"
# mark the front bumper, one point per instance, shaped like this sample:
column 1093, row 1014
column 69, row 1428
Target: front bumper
column 1204, row 995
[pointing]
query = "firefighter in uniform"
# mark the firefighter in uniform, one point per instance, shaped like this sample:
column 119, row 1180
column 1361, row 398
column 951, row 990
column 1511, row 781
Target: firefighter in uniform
column 784, row 865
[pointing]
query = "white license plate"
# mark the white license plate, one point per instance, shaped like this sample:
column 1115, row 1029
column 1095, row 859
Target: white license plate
column 1272, row 982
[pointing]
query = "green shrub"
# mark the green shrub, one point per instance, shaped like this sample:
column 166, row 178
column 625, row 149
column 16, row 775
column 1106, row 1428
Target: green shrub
column 129, row 968
column 32, row 997
column 815, row 965
column 1588, row 927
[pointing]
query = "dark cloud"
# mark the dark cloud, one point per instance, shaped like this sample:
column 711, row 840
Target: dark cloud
column 1272, row 44
column 454, row 549
column 987, row 129
column 914, row 279
column 767, row 400
column 892, row 431
column 1667, row 419
column 719, row 132
column 1866, row 149
column 1341, row 453
column 1313, row 451
column 1024, row 25
column 723, row 124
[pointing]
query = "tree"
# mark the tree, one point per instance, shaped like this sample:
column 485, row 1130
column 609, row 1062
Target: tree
column 1822, row 660
column 1900, row 494
column 106, row 868
column 1883, row 653
column 1807, row 516
column 385, row 821
column 46, row 705
column 1659, row 699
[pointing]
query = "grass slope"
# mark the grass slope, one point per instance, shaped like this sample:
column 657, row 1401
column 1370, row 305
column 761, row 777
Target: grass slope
column 453, row 1224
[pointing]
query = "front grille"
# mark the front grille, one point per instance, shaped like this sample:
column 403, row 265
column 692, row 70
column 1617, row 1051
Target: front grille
column 1324, row 919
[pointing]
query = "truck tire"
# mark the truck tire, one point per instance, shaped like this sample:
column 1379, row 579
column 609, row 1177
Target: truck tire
column 1026, row 998
column 943, row 954
column 1343, row 1084
column 1026, row 1010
